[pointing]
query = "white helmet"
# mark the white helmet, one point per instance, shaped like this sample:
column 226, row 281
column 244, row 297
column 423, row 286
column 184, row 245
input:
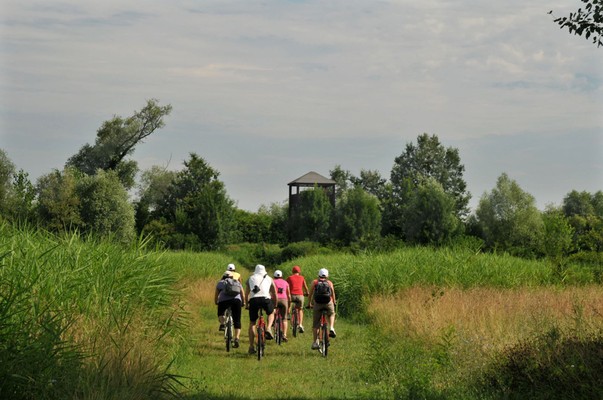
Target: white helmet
column 231, row 267
column 278, row 273
column 323, row 273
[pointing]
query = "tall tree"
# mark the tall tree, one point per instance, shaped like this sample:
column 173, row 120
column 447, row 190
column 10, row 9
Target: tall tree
column 116, row 139
column 428, row 159
column 585, row 22
column 585, row 214
column 58, row 200
column 509, row 219
column 7, row 170
column 431, row 215
column 311, row 218
column 197, row 204
column 105, row 209
column 358, row 216
column 558, row 234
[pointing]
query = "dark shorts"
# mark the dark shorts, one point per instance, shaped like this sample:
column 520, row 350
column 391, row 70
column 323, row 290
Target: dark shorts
column 235, row 306
column 254, row 307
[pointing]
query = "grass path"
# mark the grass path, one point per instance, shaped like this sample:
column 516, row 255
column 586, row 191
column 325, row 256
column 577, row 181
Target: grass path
column 289, row 371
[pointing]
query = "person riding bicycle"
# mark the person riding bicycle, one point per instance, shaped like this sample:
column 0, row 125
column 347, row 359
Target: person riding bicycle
column 235, row 275
column 322, row 297
column 259, row 295
column 299, row 288
column 283, row 299
column 230, row 293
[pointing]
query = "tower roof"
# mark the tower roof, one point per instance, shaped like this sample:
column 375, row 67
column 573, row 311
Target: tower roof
column 310, row 179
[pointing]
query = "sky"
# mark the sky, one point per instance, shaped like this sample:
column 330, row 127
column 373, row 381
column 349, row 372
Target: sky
column 266, row 91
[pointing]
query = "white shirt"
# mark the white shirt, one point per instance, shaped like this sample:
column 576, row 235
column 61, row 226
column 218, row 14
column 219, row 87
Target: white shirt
column 264, row 282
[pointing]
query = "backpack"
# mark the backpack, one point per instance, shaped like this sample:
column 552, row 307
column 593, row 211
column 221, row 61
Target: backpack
column 231, row 287
column 322, row 292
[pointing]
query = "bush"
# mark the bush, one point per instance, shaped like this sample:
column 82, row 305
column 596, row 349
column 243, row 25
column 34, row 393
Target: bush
column 549, row 366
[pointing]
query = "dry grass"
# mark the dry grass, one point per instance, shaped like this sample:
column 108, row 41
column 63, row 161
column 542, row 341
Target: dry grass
column 487, row 318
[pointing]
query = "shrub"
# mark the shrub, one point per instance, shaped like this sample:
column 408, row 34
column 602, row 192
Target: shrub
column 549, row 366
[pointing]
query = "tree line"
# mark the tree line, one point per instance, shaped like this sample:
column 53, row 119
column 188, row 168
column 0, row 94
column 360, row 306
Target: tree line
column 423, row 202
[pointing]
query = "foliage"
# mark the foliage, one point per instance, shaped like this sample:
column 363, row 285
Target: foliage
column 58, row 200
column 104, row 207
column 585, row 22
column 82, row 319
column 357, row 216
column 430, row 216
column 429, row 159
column 196, row 211
column 585, row 214
column 509, row 219
column 116, row 139
column 558, row 233
column 252, row 227
column 549, row 366
column 311, row 219
column 7, row 170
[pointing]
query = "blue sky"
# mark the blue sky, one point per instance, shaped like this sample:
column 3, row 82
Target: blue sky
column 267, row 91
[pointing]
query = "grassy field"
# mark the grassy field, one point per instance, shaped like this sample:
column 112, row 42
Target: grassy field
column 82, row 319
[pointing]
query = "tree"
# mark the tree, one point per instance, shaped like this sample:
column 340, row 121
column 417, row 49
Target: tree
column 197, row 206
column 342, row 180
column 104, row 207
column 372, row 182
column 358, row 217
column 585, row 214
column 155, row 184
column 429, row 158
column 311, row 219
column 58, row 200
column 116, row 139
column 431, row 215
column 587, row 21
column 7, row 170
column 509, row 219
column 23, row 197
column 558, row 234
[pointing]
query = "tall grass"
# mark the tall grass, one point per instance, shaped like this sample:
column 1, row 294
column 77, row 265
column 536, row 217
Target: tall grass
column 83, row 319
column 358, row 277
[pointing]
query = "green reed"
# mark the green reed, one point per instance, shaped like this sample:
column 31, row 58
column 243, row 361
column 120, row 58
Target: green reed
column 73, row 311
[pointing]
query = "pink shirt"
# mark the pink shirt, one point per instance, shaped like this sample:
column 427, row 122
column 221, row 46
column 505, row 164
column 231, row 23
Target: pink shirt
column 281, row 288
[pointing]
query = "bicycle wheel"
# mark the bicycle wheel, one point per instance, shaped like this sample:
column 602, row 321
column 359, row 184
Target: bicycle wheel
column 324, row 345
column 294, row 322
column 260, row 332
column 278, row 328
column 228, row 332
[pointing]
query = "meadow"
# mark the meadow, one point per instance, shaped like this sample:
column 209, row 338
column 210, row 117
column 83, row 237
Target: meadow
column 86, row 319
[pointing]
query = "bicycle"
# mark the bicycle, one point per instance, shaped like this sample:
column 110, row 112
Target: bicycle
column 324, row 334
column 228, row 328
column 261, row 334
column 278, row 326
column 294, row 319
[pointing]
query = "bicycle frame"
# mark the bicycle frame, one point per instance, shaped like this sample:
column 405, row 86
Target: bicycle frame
column 261, row 334
column 228, row 328
column 294, row 319
column 324, row 334
column 278, row 325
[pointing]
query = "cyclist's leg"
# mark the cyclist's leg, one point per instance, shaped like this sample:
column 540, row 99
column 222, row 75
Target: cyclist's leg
column 269, row 308
column 253, row 317
column 316, row 325
column 284, row 308
column 236, row 317
column 331, row 315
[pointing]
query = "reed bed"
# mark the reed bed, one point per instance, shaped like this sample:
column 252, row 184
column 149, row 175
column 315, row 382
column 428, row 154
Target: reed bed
column 81, row 318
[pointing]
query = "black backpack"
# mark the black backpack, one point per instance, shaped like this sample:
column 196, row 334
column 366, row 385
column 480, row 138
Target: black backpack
column 322, row 292
column 232, row 288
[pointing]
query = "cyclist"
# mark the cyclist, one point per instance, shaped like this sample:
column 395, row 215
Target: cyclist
column 322, row 297
column 235, row 275
column 225, row 298
column 259, row 294
column 283, row 299
column 299, row 288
